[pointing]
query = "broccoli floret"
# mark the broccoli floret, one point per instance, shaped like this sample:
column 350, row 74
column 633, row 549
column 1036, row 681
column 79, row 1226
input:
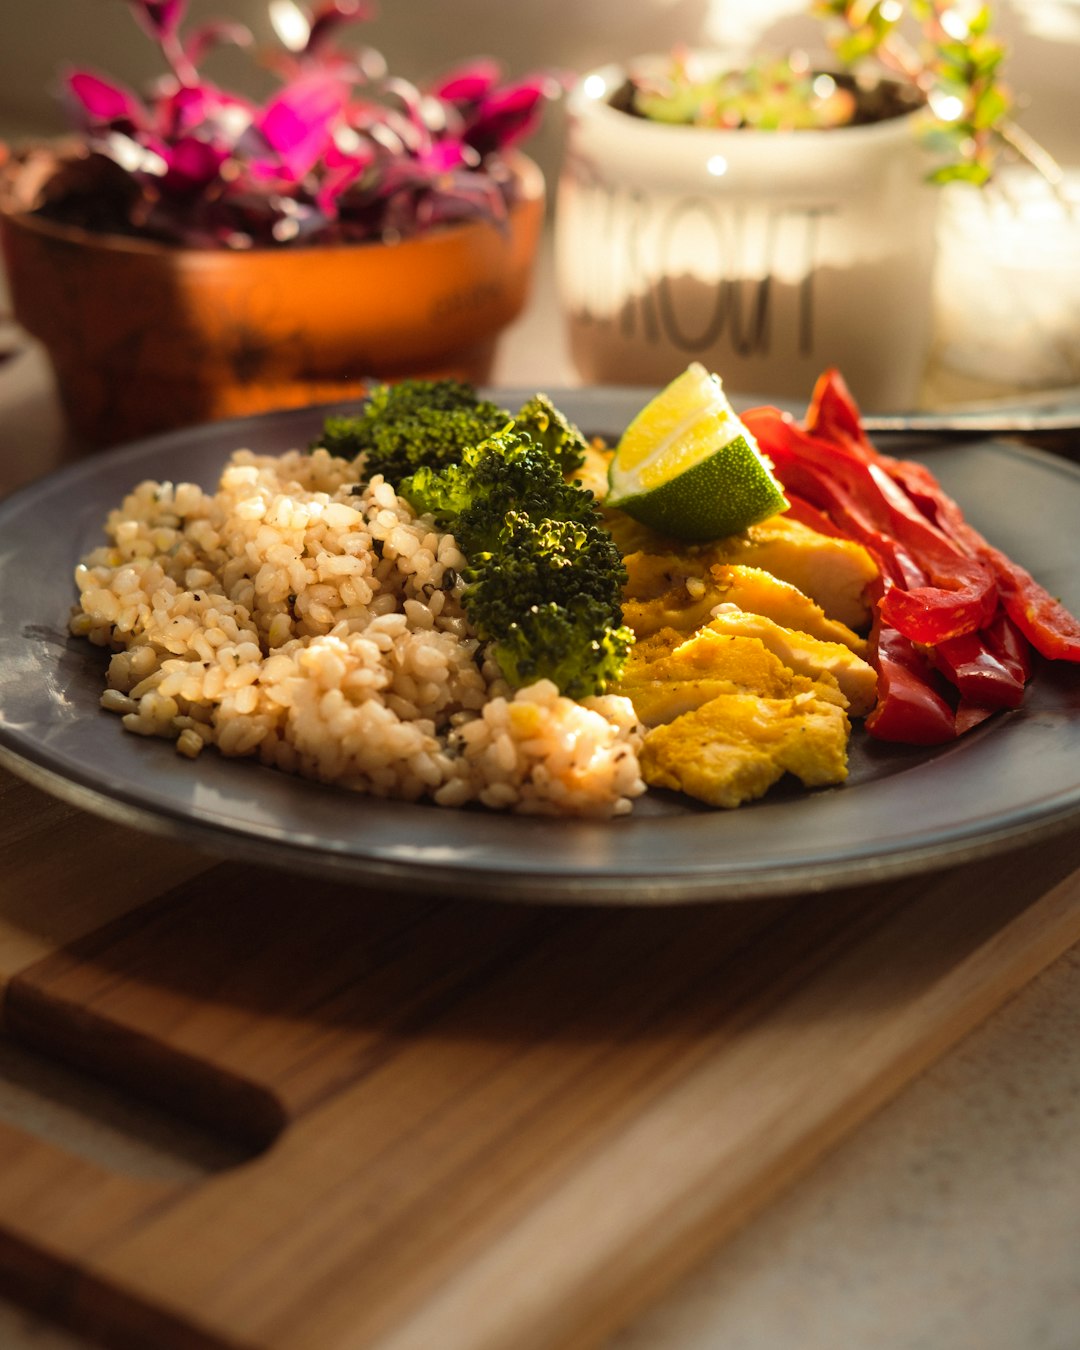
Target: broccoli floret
column 413, row 423
column 544, row 580
column 551, row 429
column 509, row 472
column 539, row 563
column 574, row 646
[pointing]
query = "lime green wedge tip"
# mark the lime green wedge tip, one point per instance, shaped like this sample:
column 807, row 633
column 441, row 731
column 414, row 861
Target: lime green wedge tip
column 688, row 468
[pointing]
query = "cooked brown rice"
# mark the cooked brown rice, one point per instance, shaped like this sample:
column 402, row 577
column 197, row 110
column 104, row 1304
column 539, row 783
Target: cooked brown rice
column 296, row 616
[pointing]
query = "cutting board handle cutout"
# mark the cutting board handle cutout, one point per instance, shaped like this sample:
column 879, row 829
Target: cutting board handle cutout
column 195, row 1089
column 104, row 1126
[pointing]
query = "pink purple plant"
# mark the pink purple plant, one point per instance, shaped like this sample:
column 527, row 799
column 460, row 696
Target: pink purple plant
column 340, row 151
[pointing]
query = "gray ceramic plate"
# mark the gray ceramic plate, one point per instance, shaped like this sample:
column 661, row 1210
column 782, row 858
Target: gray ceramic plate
column 902, row 810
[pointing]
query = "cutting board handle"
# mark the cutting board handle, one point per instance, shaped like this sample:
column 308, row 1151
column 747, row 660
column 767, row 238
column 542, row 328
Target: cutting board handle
column 56, row 1208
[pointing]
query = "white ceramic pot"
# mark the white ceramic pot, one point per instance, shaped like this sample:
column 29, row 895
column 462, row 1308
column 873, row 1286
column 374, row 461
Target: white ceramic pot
column 766, row 255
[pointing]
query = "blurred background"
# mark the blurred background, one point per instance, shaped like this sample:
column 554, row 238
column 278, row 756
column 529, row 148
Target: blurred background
column 421, row 38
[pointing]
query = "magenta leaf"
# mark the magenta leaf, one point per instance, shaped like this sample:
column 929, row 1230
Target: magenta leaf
column 508, row 115
column 297, row 122
column 192, row 165
column 469, row 83
column 183, row 110
column 102, row 102
column 218, row 119
column 447, row 155
column 341, row 173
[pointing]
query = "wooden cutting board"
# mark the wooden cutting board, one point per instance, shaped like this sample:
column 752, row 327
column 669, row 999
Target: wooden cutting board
column 468, row 1126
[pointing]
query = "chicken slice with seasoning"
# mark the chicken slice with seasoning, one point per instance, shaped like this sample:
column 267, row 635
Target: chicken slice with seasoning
column 726, row 718
column 834, row 573
column 669, row 590
column 805, row 655
column 733, row 748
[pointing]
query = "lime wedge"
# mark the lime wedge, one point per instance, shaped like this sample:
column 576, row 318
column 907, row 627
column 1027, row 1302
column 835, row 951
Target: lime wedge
column 687, row 467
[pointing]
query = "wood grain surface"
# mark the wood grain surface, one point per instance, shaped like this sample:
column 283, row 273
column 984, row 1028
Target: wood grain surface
column 468, row 1126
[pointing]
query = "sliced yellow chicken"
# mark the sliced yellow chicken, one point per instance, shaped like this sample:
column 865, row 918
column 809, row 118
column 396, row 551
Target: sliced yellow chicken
column 747, row 660
column 665, row 590
column 758, row 592
column 835, row 573
column 667, row 675
column 734, row 748
column 805, row 655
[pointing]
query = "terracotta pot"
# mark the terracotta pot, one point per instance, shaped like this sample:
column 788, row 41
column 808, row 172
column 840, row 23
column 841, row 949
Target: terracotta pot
column 144, row 337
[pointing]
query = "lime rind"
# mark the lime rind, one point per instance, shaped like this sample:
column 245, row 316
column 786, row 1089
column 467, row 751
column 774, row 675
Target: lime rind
column 687, row 466
column 666, row 424
column 719, row 496
column 696, row 438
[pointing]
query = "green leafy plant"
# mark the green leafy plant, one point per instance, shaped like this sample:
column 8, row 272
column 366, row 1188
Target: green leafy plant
column 948, row 50
column 774, row 94
column 945, row 52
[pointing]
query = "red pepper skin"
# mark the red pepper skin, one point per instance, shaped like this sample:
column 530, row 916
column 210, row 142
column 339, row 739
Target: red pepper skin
column 834, row 412
column 940, row 590
column 801, row 510
column 909, row 709
column 1011, row 645
column 934, row 614
column 991, row 668
column 969, row 715
column 783, row 443
column 954, row 615
column 1050, row 628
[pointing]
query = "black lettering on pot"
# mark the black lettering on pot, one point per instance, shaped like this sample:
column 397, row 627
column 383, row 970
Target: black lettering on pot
column 637, row 279
column 685, row 224
column 812, row 217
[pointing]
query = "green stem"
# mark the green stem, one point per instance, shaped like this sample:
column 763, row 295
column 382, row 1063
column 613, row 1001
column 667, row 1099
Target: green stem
column 1030, row 150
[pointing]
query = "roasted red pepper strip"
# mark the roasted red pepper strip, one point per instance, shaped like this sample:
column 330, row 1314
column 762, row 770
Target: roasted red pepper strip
column 783, row 442
column 969, row 715
column 940, row 590
column 989, row 668
column 909, row 708
column 833, row 413
column 801, row 510
column 945, row 595
column 1050, row 628
column 1010, row 644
